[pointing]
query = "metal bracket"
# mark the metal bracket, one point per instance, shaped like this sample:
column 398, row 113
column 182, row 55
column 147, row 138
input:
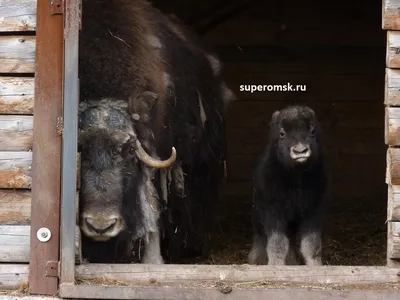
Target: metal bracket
column 52, row 269
column 57, row 7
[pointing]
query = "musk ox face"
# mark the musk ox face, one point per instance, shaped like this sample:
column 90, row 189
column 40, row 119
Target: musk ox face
column 295, row 132
column 112, row 169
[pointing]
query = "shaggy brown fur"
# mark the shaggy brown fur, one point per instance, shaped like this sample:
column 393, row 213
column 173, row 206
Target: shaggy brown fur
column 128, row 47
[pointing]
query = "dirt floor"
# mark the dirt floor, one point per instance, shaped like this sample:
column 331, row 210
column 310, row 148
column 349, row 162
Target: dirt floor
column 356, row 235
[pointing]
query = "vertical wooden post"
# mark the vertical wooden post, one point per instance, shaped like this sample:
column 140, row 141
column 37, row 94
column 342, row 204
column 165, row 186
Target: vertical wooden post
column 46, row 160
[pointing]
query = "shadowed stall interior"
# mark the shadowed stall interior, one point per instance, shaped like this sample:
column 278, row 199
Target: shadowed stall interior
column 336, row 49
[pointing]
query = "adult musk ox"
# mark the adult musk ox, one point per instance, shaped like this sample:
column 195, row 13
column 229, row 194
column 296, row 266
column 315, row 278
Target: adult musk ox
column 290, row 191
column 151, row 134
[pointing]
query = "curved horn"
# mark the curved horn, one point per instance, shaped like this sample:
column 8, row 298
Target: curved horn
column 152, row 162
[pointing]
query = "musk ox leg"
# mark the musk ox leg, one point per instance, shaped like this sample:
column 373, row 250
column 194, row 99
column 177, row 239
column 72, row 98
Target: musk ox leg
column 152, row 252
column 311, row 236
column 258, row 253
column 311, row 247
column 278, row 246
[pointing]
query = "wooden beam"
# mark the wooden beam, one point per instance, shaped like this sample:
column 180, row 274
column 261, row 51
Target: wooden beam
column 221, row 290
column 15, row 207
column 394, row 203
column 392, row 126
column 15, row 244
column 391, row 15
column 16, row 170
column 17, row 54
column 393, row 50
column 393, row 240
column 16, row 95
column 392, row 87
column 16, row 133
column 18, row 15
column 141, row 273
column 393, row 166
column 13, row 276
column 46, row 160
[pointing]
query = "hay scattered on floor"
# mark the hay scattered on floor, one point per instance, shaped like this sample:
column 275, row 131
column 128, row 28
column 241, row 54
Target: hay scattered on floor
column 356, row 235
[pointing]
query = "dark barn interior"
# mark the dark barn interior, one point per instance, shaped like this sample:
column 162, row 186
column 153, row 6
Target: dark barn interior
column 337, row 50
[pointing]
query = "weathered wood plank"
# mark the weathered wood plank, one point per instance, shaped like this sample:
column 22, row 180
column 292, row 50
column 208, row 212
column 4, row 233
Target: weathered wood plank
column 393, row 166
column 393, row 240
column 391, row 15
column 238, row 273
column 15, row 207
column 16, row 170
column 16, row 132
column 18, row 15
column 213, row 291
column 15, row 244
column 392, row 126
column 17, row 54
column 12, row 276
column 16, row 95
column 393, row 49
column 394, row 203
column 392, row 87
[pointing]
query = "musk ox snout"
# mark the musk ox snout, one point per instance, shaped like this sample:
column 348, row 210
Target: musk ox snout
column 300, row 152
column 102, row 226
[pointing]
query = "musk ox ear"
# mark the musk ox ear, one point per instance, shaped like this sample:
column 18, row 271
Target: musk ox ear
column 274, row 118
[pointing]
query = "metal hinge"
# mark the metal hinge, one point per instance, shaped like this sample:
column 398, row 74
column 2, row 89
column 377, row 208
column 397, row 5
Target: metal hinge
column 52, row 269
column 57, row 7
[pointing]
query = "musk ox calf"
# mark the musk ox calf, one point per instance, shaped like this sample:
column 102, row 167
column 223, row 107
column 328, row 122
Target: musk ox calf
column 290, row 191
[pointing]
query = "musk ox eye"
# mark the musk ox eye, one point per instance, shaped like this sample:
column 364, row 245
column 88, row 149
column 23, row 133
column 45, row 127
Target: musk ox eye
column 282, row 134
column 312, row 131
column 132, row 150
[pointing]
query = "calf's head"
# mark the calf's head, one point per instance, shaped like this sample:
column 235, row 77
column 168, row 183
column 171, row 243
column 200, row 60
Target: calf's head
column 294, row 132
column 112, row 169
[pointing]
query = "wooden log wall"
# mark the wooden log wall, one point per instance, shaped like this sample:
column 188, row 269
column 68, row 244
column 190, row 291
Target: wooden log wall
column 17, row 68
column 391, row 23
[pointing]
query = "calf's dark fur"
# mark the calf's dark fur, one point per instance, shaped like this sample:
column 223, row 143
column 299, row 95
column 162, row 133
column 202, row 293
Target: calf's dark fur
column 290, row 183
